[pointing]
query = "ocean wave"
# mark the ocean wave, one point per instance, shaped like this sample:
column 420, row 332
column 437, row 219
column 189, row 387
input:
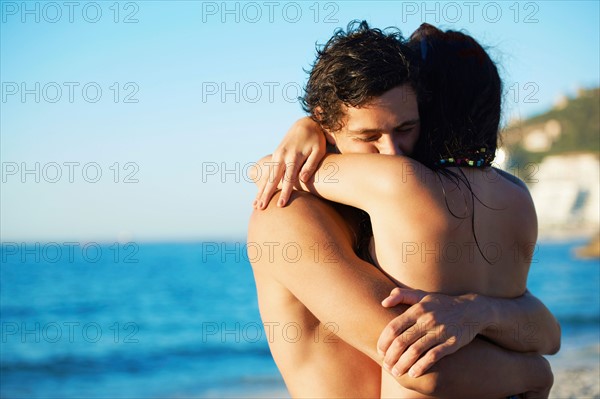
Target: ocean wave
column 579, row 320
column 134, row 362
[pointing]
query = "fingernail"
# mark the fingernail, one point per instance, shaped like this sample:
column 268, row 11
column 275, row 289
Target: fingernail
column 386, row 366
column 395, row 372
column 412, row 373
column 254, row 203
column 260, row 205
column 304, row 177
column 280, row 202
column 382, row 353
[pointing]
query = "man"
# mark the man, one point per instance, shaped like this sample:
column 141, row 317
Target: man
column 361, row 92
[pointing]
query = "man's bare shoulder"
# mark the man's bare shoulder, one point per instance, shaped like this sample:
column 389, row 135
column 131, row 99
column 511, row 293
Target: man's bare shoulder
column 298, row 203
column 305, row 215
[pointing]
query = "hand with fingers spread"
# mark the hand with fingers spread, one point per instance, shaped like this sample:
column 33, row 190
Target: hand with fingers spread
column 436, row 325
column 263, row 172
column 298, row 155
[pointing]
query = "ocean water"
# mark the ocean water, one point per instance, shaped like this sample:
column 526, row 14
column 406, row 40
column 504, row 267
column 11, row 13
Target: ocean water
column 181, row 320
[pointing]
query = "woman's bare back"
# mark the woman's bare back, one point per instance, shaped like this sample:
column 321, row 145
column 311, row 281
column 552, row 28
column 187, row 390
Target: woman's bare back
column 431, row 240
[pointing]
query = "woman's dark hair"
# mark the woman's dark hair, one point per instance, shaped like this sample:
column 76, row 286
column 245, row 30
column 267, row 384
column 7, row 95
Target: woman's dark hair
column 460, row 96
column 352, row 68
column 459, row 105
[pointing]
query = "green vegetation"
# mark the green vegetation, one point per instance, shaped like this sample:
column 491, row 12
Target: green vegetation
column 579, row 120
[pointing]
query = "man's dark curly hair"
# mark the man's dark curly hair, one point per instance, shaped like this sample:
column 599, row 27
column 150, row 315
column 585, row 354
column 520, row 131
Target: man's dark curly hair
column 352, row 68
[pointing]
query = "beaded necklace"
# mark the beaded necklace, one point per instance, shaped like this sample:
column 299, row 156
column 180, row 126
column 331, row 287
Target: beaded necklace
column 479, row 158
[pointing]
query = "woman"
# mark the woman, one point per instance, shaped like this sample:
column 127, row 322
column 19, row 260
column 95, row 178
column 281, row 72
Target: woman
column 472, row 228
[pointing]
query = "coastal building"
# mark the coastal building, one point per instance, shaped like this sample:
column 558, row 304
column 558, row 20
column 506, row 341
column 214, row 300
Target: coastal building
column 566, row 193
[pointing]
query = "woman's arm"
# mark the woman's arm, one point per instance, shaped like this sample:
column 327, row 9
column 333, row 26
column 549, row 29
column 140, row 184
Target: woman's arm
column 359, row 180
column 296, row 157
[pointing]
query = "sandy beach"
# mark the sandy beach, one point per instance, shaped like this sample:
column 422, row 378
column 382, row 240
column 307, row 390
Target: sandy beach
column 576, row 373
column 576, row 383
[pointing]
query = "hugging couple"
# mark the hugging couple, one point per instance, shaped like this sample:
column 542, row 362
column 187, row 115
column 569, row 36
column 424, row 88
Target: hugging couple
column 412, row 281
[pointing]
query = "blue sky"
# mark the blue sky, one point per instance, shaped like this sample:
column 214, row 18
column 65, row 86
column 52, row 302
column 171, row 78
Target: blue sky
column 169, row 101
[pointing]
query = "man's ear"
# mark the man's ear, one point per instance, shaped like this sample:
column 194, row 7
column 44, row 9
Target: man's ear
column 328, row 135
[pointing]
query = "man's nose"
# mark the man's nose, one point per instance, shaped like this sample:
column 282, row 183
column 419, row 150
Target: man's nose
column 388, row 146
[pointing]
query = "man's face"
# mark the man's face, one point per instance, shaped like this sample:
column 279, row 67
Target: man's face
column 388, row 124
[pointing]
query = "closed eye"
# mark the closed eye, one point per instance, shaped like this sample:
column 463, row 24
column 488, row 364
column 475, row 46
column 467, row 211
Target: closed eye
column 405, row 129
column 367, row 139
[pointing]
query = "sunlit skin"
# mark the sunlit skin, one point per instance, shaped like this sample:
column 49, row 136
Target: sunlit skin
column 405, row 209
column 314, row 295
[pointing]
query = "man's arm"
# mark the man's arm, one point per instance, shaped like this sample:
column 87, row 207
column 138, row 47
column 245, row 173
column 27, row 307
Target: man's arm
column 521, row 324
column 513, row 323
column 430, row 313
column 336, row 286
